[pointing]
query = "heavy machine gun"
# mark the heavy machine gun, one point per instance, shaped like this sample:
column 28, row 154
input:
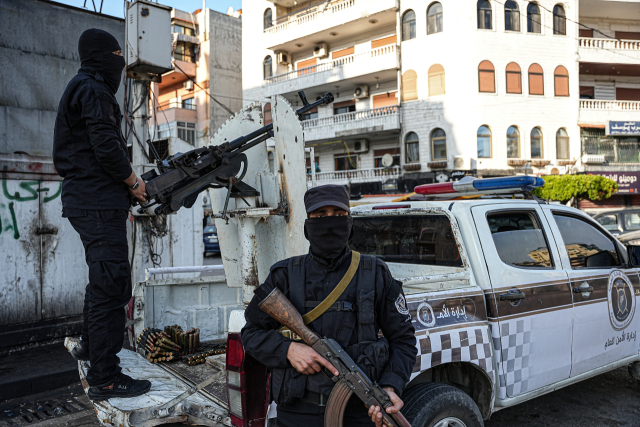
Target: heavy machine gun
column 184, row 176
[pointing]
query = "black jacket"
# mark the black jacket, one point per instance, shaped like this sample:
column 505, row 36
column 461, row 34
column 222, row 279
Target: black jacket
column 261, row 338
column 89, row 151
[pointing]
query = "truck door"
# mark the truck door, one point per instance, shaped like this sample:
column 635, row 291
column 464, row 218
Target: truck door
column 605, row 324
column 530, row 302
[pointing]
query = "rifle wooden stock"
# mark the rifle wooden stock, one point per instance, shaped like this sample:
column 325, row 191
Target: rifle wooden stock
column 280, row 308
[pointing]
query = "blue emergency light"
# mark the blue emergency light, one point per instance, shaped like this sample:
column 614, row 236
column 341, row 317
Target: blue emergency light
column 469, row 186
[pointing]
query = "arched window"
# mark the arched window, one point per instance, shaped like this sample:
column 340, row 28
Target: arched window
column 411, row 148
column 511, row 16
column 409, row 25
column 434, row 18
column 484, row 141
column 484, row 15
column 513, row 142
column 514, row 78
column 267, row 114
column 272, row 162
column 536, row 80
column 486, row 77
column 409, row 85
column 267, row 72
column 438, row 145
column 534, row 20
column 267, row 19
column 559, row 20
column 561, row 81
column 536, row 143
column 436, row 80
column 562, row 144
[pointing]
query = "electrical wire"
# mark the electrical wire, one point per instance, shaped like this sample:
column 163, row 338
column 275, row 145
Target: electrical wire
column 205, row 91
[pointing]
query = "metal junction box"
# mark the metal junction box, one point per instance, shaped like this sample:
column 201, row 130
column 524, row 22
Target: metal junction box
column 148, row 38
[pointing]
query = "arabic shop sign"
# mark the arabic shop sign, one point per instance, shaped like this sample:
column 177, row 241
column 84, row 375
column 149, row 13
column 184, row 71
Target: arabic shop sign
column 623, row 128
column 628, row 182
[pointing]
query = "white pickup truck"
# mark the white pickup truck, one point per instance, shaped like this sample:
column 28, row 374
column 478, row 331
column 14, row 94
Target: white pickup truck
column 510, row 299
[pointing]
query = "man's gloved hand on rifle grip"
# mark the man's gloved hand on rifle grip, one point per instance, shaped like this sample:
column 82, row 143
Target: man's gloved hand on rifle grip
column 137, row 187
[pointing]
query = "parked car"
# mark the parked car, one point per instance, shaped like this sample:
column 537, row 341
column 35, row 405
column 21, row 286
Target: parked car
column 619, row 222
column 210, row 236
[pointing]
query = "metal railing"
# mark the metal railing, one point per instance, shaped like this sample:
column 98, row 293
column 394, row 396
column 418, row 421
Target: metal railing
column 609, row 44
column 175, row 104
column 351, row 117
column 301, row 17
column 606, row 104
column 614, row 151
column 358, row 174
column 336, row 63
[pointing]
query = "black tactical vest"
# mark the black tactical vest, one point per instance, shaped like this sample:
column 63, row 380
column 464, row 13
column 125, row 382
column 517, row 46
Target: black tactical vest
column 355, row 311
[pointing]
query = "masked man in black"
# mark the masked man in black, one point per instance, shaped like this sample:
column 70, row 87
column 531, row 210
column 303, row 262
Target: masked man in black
column 91, row 154
column 371, row 302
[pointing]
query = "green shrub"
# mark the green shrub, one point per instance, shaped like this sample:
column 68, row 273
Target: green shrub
column 564, row 187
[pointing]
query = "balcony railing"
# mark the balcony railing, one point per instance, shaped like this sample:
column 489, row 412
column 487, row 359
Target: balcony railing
column 311, row 14
column 176, row 104
column 336, row 63
column 351, row 117
column 358, row 175
column 613, row 151
column 614, row 44
column 602, row 104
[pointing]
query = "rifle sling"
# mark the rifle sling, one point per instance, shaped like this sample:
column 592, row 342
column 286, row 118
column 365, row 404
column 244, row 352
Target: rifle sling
column 337, row 291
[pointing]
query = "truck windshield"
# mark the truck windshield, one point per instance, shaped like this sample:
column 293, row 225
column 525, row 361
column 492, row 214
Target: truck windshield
column 425, row 239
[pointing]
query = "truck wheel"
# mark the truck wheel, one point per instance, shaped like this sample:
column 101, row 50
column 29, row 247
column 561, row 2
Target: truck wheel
column 440, row 405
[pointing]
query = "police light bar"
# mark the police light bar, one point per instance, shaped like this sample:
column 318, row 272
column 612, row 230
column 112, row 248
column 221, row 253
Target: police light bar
column 469, row 186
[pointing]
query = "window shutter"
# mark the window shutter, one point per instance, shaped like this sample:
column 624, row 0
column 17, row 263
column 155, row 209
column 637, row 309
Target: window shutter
column 267, row 114
column 586, row 33
column 486, row 77
column 385, row 100
column 561, row 81
column 384, row 42
column 514, row 78
column 627, row 94
column 342, row 52
column 628, row 35
column 344, row 103
column 409, row 85
column 536, row 80
column 436, row 80
column 307, row 63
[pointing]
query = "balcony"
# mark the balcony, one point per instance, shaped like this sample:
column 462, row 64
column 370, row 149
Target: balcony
column 599, row 111
column 319, row 20
column 372, row 61
column 357, row 176
column 358, row 122
column 175, row 111
column 603, row 151
column 609, row 51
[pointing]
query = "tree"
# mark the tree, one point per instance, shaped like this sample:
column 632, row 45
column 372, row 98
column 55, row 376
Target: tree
column 572, row 188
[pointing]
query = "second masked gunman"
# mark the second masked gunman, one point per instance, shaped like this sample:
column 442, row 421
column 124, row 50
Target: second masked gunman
column 372, row 301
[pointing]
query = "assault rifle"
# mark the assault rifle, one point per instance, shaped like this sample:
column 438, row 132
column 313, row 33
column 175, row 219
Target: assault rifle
column 185, row 175
column 351, row 379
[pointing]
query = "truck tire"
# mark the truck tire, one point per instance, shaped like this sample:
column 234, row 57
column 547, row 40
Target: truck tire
column 440, row 405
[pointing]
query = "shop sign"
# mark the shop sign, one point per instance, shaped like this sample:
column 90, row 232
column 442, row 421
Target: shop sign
column 623, row 128
column 628, row 182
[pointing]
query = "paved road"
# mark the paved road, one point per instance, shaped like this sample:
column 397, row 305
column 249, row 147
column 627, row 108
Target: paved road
column 609, row 400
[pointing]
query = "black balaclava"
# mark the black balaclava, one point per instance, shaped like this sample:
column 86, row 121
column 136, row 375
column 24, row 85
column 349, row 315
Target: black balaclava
column 96, row 49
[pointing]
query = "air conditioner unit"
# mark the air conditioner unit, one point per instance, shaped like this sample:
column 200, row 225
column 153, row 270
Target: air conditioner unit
column 321, row 50
column 361, row 146
column 462, row 163
column 283, row 58
column 361, row 92
column 593, row 159
column 188, row 85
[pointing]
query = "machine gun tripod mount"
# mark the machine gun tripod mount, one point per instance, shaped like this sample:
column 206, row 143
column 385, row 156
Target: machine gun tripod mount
column 185, row 175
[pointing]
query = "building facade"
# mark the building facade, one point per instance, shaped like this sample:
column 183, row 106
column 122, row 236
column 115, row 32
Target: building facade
column 206, row 50
column 431, row 91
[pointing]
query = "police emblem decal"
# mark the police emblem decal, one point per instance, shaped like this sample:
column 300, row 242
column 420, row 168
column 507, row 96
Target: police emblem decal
column 401, row 305
column 425, row 315
column 622, row 302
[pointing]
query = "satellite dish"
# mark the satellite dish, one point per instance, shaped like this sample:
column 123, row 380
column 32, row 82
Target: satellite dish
column 387, row 160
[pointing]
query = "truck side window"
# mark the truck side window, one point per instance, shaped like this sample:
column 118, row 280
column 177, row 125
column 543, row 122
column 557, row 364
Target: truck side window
column 410, row 239
column 587, row 246
column 609, row 222
column 519, row 239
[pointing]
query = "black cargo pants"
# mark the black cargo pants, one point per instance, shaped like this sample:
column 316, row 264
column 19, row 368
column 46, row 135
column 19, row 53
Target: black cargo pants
column 104, row 236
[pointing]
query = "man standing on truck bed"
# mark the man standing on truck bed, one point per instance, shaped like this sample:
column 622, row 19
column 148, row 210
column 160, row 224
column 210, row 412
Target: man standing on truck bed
column 372, row 301
column 91, row 154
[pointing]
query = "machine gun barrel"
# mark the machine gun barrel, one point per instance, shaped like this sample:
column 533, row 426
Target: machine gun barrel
column 352, row 378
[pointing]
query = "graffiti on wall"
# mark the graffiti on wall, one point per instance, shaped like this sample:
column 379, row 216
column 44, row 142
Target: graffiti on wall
column 29, row 190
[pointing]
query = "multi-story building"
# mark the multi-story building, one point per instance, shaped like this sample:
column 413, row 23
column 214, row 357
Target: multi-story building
column 206, row 57
column 436, row 90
